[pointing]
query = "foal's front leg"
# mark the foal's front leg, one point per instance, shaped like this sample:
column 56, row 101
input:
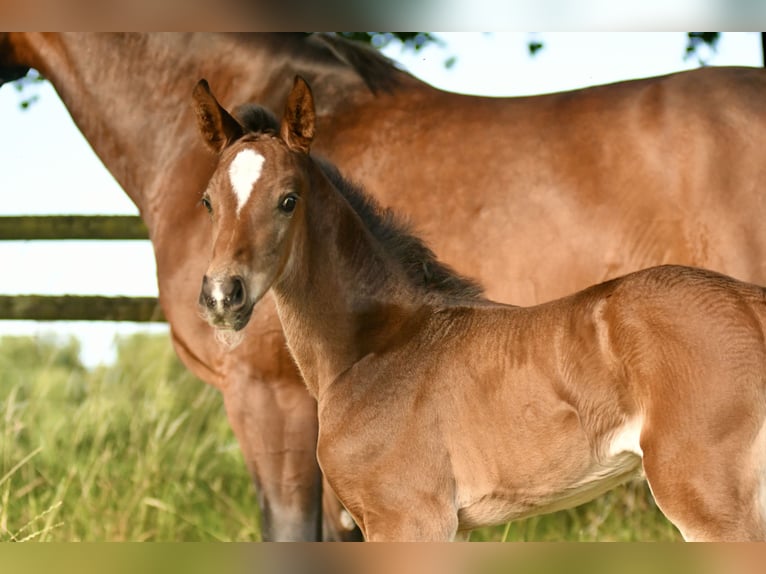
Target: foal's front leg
column 397, row 485
column 392, row 525
column 391, row 502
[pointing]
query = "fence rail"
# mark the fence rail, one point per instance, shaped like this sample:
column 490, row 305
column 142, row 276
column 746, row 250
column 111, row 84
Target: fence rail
column 76, row 307
column 80, row 308
column 56, row 227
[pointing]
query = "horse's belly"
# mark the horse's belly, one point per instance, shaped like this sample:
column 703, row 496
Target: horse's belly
column 502, row 504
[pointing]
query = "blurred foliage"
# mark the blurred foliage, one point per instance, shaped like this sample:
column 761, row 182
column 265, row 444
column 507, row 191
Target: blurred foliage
column 534, row 47
column 26, row 87
column 698, row 43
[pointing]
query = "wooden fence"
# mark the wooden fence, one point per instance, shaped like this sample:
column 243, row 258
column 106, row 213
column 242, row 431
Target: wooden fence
column 76, row 307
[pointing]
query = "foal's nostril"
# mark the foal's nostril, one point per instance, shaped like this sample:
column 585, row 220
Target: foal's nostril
column 234, row 289
column 228, row 294
column 206, row 298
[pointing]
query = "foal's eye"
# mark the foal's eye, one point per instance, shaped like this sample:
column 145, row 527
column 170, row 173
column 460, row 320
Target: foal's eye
column 206, row 202
column 287, row 203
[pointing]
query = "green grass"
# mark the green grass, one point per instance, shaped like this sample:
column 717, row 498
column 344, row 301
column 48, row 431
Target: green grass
column 136, row 451
column 141, row 450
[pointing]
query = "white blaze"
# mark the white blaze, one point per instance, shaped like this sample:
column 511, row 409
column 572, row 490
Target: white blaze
column 244, row 171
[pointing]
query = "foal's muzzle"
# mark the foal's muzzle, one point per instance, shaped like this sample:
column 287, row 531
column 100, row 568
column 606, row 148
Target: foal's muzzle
column 225, row 301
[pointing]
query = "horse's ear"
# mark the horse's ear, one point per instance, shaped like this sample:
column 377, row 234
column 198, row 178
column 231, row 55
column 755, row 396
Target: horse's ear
column 298, row 121
column 218, row 128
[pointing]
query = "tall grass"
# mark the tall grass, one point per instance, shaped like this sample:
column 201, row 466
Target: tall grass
column 136, row 451
column 141, row 450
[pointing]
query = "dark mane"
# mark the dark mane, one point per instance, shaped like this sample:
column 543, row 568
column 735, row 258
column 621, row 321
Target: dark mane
column 324, row 53
column 418, row 261
column 378, row 72
column 257, row 119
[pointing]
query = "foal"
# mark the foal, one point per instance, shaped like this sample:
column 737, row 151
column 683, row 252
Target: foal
column 441, row 411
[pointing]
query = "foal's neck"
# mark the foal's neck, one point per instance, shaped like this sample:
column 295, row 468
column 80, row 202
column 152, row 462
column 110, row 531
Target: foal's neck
column 342, row 297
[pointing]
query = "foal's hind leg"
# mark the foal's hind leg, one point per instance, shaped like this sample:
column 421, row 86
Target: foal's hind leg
column 710, row 493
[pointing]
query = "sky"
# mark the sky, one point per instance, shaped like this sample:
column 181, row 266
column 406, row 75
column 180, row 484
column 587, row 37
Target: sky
column 47, row 167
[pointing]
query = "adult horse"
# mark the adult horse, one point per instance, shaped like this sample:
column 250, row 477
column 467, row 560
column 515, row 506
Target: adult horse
column 534, row 196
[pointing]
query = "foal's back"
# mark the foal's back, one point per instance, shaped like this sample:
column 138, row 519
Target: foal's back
column 661, row 343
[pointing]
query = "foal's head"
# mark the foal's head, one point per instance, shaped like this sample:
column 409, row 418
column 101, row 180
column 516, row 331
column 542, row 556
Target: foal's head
column 254, row 199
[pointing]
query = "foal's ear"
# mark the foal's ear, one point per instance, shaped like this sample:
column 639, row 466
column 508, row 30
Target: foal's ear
column 218, row 128
column 298, row 120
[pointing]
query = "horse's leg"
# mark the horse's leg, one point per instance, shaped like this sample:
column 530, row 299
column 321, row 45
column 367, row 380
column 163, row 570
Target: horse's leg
column 411, row 524
column 275, row 421
column 710, row 492
column 271, row 422
column 275, row 424
column 390, row 499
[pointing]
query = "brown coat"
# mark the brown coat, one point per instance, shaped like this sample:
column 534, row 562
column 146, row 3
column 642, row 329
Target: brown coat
column 439, row 410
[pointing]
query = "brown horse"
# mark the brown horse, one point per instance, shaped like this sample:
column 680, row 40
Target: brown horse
column 439, row 410
column 534, row 196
